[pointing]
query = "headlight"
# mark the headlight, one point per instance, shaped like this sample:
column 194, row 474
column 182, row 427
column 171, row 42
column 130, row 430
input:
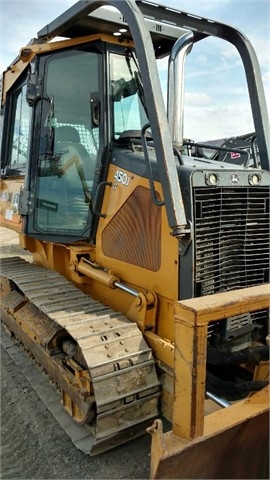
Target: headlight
column 254, row 179
column 211, row 179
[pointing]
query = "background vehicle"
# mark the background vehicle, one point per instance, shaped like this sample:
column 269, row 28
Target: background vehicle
column 170, row 252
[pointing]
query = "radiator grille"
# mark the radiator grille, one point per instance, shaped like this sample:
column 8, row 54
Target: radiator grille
column 231, row 238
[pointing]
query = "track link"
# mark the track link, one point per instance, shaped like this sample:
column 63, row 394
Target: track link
column 97, row 357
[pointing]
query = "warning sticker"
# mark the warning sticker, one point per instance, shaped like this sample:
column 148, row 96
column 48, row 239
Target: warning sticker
column 8, row 214
column 235, row 155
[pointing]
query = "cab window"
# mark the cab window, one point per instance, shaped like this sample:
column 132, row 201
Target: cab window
column 17, row 148
column 70, row 142
column 128, row 110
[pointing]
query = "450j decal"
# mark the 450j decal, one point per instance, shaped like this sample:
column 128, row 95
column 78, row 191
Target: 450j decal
column 122, row 177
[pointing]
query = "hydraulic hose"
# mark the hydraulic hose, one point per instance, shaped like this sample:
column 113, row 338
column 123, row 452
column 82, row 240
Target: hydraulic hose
column 254, row 356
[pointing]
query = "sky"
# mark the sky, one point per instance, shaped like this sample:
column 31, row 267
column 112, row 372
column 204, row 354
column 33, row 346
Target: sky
column 216, row 100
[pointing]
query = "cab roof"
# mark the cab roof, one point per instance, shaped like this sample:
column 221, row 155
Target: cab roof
column 165, row 24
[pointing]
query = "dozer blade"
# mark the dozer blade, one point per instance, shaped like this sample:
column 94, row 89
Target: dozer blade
column 228, row 443
column 235, row 444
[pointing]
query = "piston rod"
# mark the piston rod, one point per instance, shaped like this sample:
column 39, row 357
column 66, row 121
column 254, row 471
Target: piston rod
column 220, row 401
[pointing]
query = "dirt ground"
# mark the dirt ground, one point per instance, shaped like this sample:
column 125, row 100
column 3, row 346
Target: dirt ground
column 34, row 446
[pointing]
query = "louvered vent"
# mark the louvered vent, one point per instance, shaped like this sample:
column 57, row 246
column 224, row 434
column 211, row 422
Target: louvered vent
column 232, row 239
column 134, row 233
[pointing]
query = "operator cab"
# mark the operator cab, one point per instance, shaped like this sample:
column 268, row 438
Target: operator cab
column 78, row 99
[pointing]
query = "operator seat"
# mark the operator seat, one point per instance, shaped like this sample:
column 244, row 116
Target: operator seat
column 79, row 175
column 66, row 133
column 67, row 137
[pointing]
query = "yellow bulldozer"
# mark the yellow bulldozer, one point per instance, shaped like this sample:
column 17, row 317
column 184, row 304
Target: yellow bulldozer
column 148, row 296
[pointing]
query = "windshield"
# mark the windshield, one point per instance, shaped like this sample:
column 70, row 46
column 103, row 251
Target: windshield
column 128, row 110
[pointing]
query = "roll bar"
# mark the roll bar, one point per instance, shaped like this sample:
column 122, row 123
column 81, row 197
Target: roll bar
column 137, row 14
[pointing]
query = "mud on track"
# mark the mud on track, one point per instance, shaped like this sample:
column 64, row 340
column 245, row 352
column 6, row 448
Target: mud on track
column 34, row 446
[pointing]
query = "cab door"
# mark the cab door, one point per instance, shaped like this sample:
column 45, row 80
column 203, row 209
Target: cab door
column 67, row 140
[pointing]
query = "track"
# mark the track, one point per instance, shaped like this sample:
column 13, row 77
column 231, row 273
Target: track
column 97, row 358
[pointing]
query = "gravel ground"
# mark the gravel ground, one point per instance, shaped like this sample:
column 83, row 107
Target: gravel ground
column 34, row 446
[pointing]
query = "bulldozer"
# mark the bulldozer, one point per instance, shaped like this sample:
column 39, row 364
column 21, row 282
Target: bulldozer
column 148, row 295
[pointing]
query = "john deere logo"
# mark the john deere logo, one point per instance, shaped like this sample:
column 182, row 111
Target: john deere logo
column 234, row 178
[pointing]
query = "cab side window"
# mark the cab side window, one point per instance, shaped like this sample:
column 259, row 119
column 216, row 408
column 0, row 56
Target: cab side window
column 19, row 130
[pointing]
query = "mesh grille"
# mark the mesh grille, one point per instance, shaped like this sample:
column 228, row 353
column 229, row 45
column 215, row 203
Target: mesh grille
column 134, row 233
column 231, row 238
